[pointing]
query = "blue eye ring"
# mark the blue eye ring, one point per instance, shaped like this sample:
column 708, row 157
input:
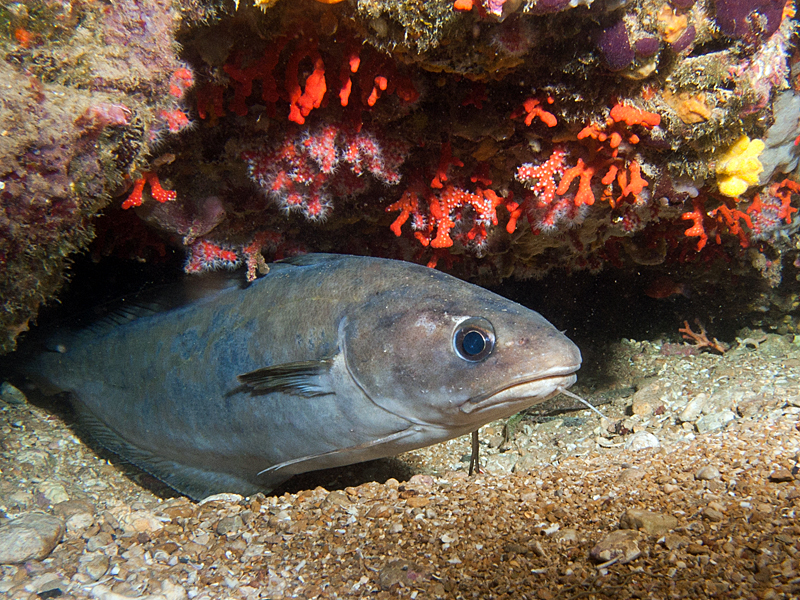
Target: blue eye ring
column 474, row 339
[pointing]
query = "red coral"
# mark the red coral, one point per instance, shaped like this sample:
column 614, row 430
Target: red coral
column 541, row 178
column 603, row 142
column 446, row 160
column 301, row 102
column 630, row 115
column 783, row 191
column 532, row 109
column 301, row 174
column 306, row 91
column 584, row 173
column 135, row 198
column 180, row 81
column 445, row 210
column 253, row 257
column 177, row 120
column 696, row 216
column 208, row 256
column 730, row 218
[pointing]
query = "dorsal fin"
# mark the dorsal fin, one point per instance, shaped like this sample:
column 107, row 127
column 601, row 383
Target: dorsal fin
column 105, row 317
column 307, row 260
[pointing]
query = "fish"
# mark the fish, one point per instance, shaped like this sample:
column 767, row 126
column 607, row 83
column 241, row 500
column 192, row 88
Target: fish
column 327, row 360
column 664, row 287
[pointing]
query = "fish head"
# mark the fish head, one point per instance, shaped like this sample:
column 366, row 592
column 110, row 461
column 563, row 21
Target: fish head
column 456, row 356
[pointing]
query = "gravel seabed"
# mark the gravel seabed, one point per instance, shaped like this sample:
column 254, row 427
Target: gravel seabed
column 686, row 488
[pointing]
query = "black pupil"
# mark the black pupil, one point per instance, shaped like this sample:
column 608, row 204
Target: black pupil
column 473, row 343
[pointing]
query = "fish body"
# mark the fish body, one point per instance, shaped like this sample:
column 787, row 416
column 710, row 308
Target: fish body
column 323, row 362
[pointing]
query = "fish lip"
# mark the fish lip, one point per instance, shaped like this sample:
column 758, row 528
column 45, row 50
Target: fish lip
column 566, row 375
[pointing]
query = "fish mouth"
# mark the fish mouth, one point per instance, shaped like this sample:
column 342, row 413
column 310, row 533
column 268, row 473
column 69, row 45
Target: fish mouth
column 525, row 392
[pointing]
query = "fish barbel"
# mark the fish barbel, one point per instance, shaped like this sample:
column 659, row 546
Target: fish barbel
column 327, row 360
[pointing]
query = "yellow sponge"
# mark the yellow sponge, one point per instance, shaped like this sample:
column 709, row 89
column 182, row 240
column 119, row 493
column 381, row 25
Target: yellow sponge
column 738, row 168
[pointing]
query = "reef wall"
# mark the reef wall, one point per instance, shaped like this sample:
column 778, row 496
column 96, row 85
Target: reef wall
column 492, row 139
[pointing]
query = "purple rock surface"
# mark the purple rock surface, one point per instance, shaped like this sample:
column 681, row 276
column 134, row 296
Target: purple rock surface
column 740, row 18
column 685, row 40
column 615, row 46
column 647, row 46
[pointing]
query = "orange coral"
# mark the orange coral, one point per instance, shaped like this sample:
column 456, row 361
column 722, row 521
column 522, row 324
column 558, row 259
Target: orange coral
column 605, row 155
column 446, row 160
column 532, row 109
column 156, row 191
column 444, row 211
column 377, row 74
column 783, row 191
column 585, row 173
column 730, row 218
column 696, row 216
column 634, row 116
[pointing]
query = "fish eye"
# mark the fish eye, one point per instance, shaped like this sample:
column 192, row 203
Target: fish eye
column 474, row 339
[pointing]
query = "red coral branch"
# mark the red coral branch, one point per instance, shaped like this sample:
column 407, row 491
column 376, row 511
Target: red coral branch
column 446, row 160
column 700, row 338
column 532, row 109
column 730, row 218
column 135, row 198
column 783, row 191
column 696, row 216
column 306, row 91
column 603, row 142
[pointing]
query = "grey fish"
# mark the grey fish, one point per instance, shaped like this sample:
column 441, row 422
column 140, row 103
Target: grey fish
column 327, row 360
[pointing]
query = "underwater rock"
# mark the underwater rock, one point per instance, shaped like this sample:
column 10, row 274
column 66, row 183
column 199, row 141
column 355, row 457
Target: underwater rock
column 31, row 536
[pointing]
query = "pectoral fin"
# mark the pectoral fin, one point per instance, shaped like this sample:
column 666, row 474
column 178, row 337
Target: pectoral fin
column 309, row 378
column 393, row 437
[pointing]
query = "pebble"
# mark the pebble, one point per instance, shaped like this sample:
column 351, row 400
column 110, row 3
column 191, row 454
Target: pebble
column 401, row 573
column 707, row 473
column 673, row 541
column 72, row 507
column 46, row 585
column 229, row 525
column 781, row 476
column 648, row 399
column 716, row 420
column 169, row 591
column 53, row 492
column 336, row 498
column 12, row 395
column 19, row 500
column 630, row 475
column 420, row 480
column 696, row 549
column 140, row 521
column 650, row 522
column 693, row 409
column 622, row 544
column 641, row 441
column 31, row 536
column 79, row 522
column 500, row 463
column 223, row 497
column 97, row 566
column 99, row 541
column 713, row 514
column 566, row 536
